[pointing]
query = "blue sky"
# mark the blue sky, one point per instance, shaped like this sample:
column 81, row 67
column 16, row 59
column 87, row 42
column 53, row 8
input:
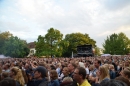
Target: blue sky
column 99, row 18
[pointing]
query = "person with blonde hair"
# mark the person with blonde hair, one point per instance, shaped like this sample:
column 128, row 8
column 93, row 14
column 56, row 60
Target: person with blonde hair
column 16, row 74
column 102, row 75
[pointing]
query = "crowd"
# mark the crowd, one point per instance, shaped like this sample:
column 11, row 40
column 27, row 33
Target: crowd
column 82, row 71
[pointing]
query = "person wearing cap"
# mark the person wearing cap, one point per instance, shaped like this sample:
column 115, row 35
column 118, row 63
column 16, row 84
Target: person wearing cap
column 39, row 77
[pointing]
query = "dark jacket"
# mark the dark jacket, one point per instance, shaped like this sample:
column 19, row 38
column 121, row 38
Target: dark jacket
column 42, row 82
column 66, row 83
column 100, row 84
column 74, row 83
column 17, row 83
column 54, row 83
column 112, row 74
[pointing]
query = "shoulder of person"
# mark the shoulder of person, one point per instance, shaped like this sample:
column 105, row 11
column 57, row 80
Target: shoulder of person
column 56, row 81
column 17, row 83
column 45, row 83
column 104, row 80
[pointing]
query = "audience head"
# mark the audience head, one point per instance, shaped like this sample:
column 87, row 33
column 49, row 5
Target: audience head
column 8, row 82
column 126, row 73
column 4, row 75
column 121, row 78
column 79, row 74
column 40, row 72
column 53, row 75
column 71, row 67
column 103, row 73
column 17, row 75
column 67, row 79
column 113, row 82
column 65, row 71
column 97, row 63
column 81, row 64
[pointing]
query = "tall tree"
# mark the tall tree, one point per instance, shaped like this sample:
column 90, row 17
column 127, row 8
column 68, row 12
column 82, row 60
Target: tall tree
column 76, row 39
column 53, row 38
column 64, row 45
column 3, row 37
column 41, row 47
column 50, row 44
column 117, row 44
column 125, row 43
column 15, row 47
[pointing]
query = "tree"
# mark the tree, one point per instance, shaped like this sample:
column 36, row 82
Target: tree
column 41, row 47
column 97, row 51
column 64, row 45
column 15, row 47
column 117, row 44
column 125, row 43
column 50, row 44
column 53, row 38
column 76, row 39
column 4, row 36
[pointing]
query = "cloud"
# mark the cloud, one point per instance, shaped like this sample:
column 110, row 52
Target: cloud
column 123, row 29
column 105, row 33
column 29, row 18
column 118, row 30
column 115, row 5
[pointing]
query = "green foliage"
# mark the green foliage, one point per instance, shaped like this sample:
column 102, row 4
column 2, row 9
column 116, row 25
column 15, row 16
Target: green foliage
column 64, row 45
column 4, row 36
column 41, row 47
column 75, row 39
column 97, row 51
column 14, row 47
column 50, row 44
column 117, row 44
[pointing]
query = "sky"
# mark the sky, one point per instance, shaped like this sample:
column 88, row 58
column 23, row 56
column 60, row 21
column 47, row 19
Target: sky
column 27, row 19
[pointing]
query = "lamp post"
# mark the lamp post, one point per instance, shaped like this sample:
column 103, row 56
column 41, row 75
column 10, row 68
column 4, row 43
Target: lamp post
column 51, row 47
column 124, row 51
